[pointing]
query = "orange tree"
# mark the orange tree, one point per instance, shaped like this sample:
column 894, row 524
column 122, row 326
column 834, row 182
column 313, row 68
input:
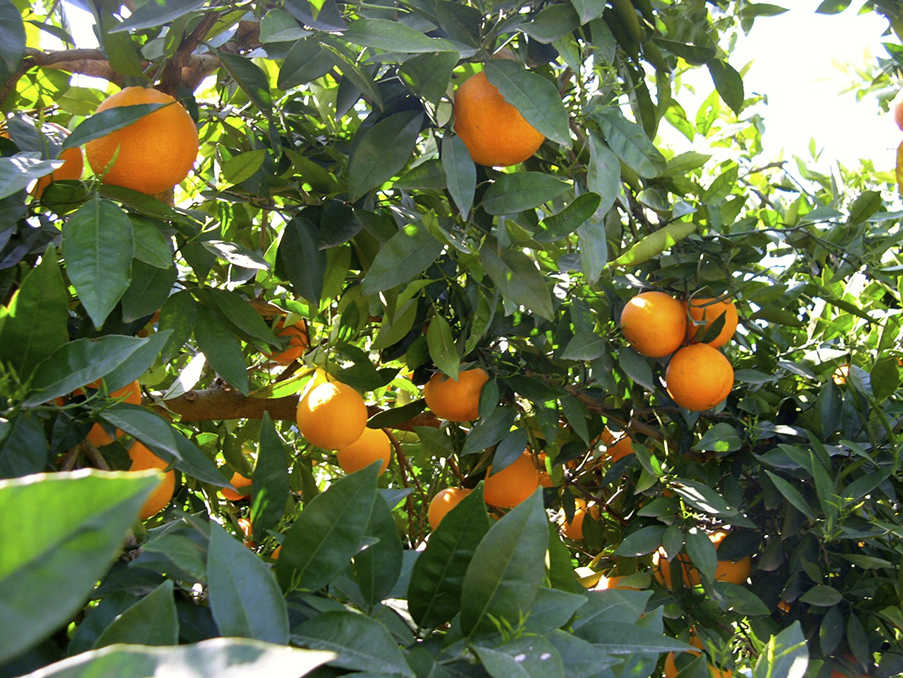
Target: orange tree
column 335, row 193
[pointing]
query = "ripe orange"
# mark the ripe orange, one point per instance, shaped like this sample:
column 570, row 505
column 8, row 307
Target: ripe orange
column 545, row 480
column 493, row 130
column 896, row 108
column 276, row 551
column 237, row 481
column 654, row 323
column 247, row 532
column 444, row 501
column 699, row 377
column 156, row 152
column 707, row 311
column 456, row 399
column 143, row 459
column 574, row 528
column 514, row 483
column 72, row 168
column 619, row 449
column 130, row 393
column 671, row 670
column 298, row 342
column 332, row 415
column 733, row 571
column 372, row 444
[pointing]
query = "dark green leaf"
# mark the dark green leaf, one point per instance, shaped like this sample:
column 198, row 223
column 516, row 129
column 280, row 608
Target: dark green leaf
column 151, row 246
column 552, row 610
column 394, row 36
column 636, row 367
column 512, row 193
column 510, row 448
column 630, row 143
column 222, row 349
column 23, row 446
column 567, row 221
column 98, row 246
column 434, row 594
column 728, row 83
column 179, row 315
column 243, row 594
column 407, row 254
column 865, row 206
column 507, row 568
column 642, row 542
column 377, row 568
column 428, row 75
column 603, row 175
column 328, row 532
column 151, row 621
column 302, row 262
column 720, row 438
column 155, row 13
column 36, row 324
column 614, row 605
column 792, row 495
column 588, row 10
column 147, row 291
column 270, row 490
column 68, row 529
column 251, row 79
column 442, row 347
column 552, row 22
column 524, row 657
column 785, row 654
column 821, row 595
column 305, row 61
column 12, row 40
column 536, row 98
column 383, row 151
column 622, row 638
column 585, row 345
column 487, row 432
column 702, row 552
column 519, row 280
column 460, row 173
column 361, row 643
column 593, row 249
column 581, row 659
column 241, row 314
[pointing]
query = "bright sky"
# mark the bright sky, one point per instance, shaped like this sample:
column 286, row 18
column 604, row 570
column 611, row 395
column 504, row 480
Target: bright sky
column 795, row 62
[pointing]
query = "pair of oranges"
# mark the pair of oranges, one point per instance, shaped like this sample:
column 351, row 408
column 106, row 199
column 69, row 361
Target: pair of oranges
column 698, row 376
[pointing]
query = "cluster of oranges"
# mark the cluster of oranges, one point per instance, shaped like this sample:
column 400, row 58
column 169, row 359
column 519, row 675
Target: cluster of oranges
column 698, row 376
column 151, row 155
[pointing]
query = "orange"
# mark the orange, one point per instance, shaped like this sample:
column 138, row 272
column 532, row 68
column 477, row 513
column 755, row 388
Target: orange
column 155, row 152
column 574, row 528
column 514, row 483
column 456, row 399
column 654, row 323
column 620, row 449
column 237, row 481
column 671, row 670
column 372, row 444
column 706, row 312
column 841, row 374
column 896, row 108
column 493, row 130
column 332, row 415
column 143, row 459
column 130, row 393
column 699, row 377
column 733, row 571
column 247, row 532
column 298, row 342
column 72, row 168
column 545, row 480
column 276, row 551
column 444, row 501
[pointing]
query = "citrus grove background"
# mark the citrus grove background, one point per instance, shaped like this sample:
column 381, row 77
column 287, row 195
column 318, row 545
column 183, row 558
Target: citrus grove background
column 395, row 339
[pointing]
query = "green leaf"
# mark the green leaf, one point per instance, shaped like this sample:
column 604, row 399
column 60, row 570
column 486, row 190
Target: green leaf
column 155, row 13
column 552, row 22
column 236, row 309
column 588, row 10
column 460, row 173
column 147, row 291
column 243, row 166
column 786, row 654
column 215, row 658
column 792, row 495
column 642, row 542
column 164, row 441
column 603, row 176
column 67, row 531
column 406, row 254
column 102, row 123
column 153, row 620
column 270, row 490
column 507, row 568
column 301, row 259
column 428, row 75
column 98, row 245
column 622, row 638
column 382, row 151
column 720, row 438
column 279, row 26
column 151, row 246
column 510, row 448
column 593, row 249
column 728, row 83
column 630, row 143
column 615, row 605
column 360, row 643
column 442, row 347
column 328, row 532
column 19, row 171
column 535, row 96
column 377, row 568
column 821, row 595
column 178, row 315
column 23, row 446
column 306, row 61
column 12, row 40
column 512, row 193
column 568, row 220
column 702, row 552
column 581, row 659
column 585, row 346
column 434, row 593
column 222, row 349
column 519, row 280
column 243, row 594
column 636, row 367
column 394, row 36
column 653, row 244
column 490, row 430
column 703, row 498
column 36, row 324
column 525, row 657
column 251, row 79
column 552, row 610
column 78, row 363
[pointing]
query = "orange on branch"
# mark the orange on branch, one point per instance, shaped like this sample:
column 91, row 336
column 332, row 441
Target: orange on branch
column 707, row 311
column 493, row 130
column 72, row 169
column 372, row 445
column 573, row 529
column 142, row 460
column 619, row 449
column 298, row 342
column 331, row 415
column 654, row 323
column 514, row 483
column 237, row 481
column 698, row 377
column 154, row 153
column 444, row 501
column 456, row 399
